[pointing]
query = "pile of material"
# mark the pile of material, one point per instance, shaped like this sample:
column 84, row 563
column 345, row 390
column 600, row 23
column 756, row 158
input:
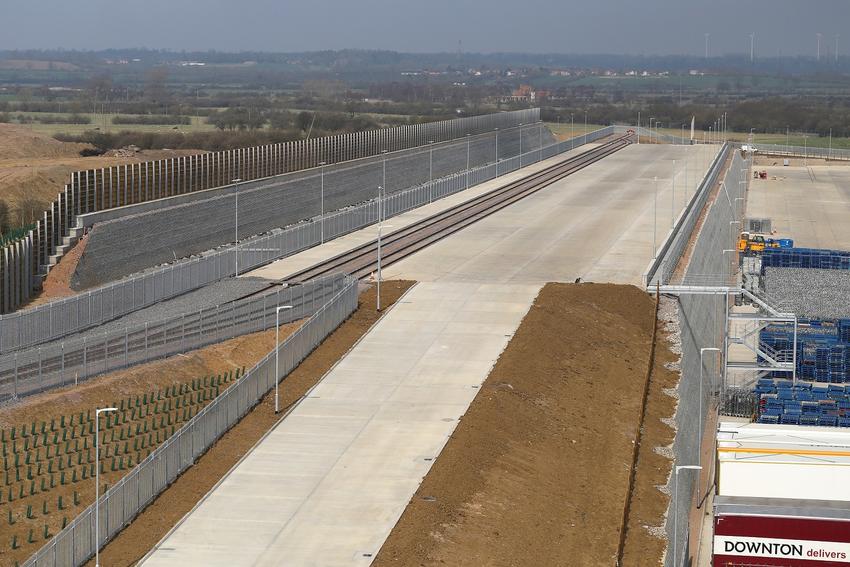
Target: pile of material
column 809, row 292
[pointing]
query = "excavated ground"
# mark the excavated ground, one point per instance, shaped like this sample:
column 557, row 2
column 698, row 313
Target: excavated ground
column 537, row 471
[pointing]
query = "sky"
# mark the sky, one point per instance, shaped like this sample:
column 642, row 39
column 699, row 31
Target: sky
column 639, row 27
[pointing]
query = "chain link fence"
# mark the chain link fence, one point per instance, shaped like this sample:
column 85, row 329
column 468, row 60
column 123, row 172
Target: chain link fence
column 702, row 323
column 662, row 268
column 803, row 151
column 75, row 544
column 57, row 319
column 67, row 362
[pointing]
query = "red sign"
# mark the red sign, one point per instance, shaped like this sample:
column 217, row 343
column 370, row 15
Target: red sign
column 757, row 541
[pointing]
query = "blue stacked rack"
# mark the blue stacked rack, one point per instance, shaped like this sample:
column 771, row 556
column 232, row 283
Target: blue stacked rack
column 805, row 258
column 823, row 348
column 780, row 401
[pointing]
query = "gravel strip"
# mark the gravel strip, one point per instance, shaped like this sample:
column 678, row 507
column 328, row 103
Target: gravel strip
column 810, row 292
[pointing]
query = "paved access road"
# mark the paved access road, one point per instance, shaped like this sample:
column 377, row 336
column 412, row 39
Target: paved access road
column 809, row 204
column 328, row 484
column 596, row 224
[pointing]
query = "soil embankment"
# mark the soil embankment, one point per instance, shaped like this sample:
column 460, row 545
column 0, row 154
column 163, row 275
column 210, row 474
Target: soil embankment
column 537, row 471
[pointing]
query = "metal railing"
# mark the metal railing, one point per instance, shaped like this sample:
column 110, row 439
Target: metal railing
column 63, row 363
column 803, row 151
column 60, row 318
column 75, row 544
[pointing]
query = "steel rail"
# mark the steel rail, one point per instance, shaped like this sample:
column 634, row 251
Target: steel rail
column 359, row 261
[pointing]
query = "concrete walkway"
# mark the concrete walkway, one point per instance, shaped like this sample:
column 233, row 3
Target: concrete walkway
column 329, row 483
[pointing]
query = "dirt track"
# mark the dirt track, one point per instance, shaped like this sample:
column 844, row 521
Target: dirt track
column 537, row 471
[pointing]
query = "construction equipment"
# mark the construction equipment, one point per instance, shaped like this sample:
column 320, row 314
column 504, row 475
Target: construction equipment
column 755, row 243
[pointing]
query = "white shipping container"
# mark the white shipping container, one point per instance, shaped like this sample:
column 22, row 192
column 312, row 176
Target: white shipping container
column 783, row 461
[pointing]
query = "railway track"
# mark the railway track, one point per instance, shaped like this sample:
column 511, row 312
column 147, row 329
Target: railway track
column 362, row 261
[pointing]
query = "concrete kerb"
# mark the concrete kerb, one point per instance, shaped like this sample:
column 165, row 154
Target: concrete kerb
column 276, row 424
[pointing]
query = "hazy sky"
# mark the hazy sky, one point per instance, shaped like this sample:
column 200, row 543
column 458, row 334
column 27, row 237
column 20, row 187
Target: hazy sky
column 562, row 26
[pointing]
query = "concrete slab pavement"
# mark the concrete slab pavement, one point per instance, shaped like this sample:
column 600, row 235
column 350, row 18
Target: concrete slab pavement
column 330, row 481
column 292, row 264
column 809, row 204
column 327, row 485
column 599, row 224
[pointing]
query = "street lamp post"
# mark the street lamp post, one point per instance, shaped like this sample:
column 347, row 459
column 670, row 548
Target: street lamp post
column 702, row 352
column 654, row 217
column 540, row 140
column 467, row 160
column 236, row 193
column 520, row 144
column 430, row 171
column 673, row 198
column 378, row 295
column 572, row 128
column 384, row 174
column 277, row 353
column 733, row 233
column 741, row 212
column 322, row 175
column 97, row 413
column 585, row 127
column 497, row 152
column 676, row 507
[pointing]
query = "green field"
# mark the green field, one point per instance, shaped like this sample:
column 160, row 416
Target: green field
column 103, row 122
column 571, row 131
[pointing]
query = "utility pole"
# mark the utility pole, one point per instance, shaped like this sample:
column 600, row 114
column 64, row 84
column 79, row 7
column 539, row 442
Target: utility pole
column 836, row 47
column 707, row 36
column 819, row 36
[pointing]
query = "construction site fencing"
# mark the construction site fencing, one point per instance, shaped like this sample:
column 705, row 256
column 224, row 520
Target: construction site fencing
column 23, row 264
column 60, row 318
column 75, row 544
column 803, row 152
column 668, row 256
column 702, row 324
column 61, row 363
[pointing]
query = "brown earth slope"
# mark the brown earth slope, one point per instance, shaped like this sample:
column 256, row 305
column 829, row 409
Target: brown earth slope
column 537, row 471
column 36, row 166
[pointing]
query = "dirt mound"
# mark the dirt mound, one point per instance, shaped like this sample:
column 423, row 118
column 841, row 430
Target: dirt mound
column 20, row 142
column 537, row 471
